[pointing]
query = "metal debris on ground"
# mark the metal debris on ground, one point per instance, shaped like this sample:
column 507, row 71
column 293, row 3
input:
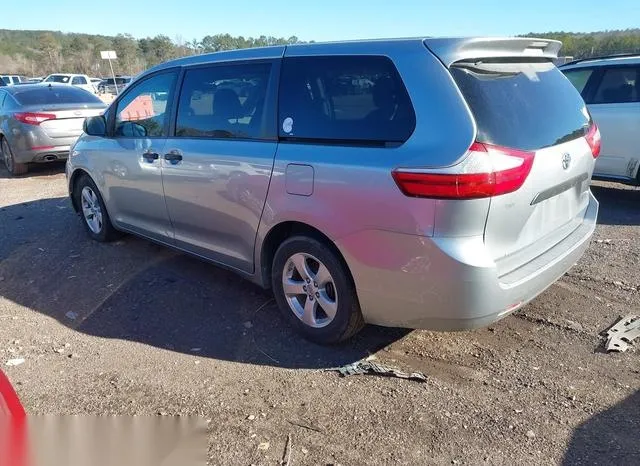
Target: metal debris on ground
column 15, row 362
column 373, row 368
column 623, row 333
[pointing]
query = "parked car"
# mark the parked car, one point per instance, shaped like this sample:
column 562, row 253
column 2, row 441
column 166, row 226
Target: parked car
column 10, row 80
column 109, row 86
column 38, row 122
column 79, row 80
column 611, row 88
column 444, row 192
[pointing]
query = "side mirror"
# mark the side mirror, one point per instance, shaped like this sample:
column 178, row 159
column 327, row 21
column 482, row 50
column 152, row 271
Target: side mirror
column 95, row 126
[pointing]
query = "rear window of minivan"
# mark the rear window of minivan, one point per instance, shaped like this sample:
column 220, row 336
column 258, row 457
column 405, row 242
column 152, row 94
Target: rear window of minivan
column 344, row 99
column 525, row 106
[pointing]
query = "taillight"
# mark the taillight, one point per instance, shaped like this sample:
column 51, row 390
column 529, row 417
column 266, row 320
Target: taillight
column 488, row 170
column 32, row 118
column 594, row 139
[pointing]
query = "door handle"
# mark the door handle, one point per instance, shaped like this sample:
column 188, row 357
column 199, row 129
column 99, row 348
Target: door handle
column 174, row 156
column 150, row 156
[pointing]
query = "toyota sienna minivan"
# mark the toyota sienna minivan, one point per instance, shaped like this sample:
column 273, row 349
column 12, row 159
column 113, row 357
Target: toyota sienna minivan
column 422, row 183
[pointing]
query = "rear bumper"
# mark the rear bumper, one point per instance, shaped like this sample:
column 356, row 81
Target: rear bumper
column 450, row 283
column 49, row 154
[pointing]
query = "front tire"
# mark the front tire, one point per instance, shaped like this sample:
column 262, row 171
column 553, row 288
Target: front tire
column 93, row 211
column 314, row 291
column 14, row 168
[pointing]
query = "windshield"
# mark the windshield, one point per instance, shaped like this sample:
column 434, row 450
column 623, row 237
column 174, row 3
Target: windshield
column 46, row 95
column 522, row 105
column 57, row 78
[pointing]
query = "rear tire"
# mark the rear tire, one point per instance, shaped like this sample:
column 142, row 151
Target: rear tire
column 14, row 168
column 93, row 212
column 320, row 299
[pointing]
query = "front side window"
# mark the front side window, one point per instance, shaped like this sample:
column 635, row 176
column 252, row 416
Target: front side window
column 78, row 80
column 224, row 102
column 344, row 99
column 6, row 79
column 143, row 111
column 618, row 85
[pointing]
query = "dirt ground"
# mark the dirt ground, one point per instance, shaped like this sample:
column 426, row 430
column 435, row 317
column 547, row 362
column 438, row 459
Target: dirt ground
column 133, row 328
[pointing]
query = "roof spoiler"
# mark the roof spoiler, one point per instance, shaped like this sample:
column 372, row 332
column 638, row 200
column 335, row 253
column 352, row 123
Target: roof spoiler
column 450, row 51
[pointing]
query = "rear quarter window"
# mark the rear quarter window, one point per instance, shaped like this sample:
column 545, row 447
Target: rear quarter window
column 525, row 106
column 344, row 99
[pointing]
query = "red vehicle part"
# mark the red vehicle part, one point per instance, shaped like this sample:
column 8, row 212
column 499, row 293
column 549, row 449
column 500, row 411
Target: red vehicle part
column 13, row 426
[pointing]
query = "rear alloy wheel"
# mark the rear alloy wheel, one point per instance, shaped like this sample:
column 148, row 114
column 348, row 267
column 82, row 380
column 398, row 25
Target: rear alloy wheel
column 13, row 167
column 314, row 291
column 93, row 211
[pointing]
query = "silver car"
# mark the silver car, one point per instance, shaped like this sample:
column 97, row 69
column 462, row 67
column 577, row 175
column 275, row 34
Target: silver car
column 39, row 122
column 437, row 183
column 611, row 88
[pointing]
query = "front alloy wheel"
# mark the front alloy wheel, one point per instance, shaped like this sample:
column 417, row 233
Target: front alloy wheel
column 91, row 210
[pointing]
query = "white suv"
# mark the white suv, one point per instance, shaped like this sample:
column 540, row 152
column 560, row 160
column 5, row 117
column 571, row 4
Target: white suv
column 611, row 88
column 79, row 80
column 11, row 79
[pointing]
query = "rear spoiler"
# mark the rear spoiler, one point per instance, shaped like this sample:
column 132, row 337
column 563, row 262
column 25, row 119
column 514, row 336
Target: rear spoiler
column 450, row 51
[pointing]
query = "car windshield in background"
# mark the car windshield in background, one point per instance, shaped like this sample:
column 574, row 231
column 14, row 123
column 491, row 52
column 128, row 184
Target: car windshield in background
column 46, row 95
column 525, row 106
column 57, row 78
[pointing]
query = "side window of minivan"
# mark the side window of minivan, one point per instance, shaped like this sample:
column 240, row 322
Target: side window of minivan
column 344, row 100
column 224, row 101
column 618, row 85
column 144, row 110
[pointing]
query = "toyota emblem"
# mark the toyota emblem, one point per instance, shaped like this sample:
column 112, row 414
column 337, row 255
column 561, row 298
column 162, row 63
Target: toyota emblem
column 566, row 161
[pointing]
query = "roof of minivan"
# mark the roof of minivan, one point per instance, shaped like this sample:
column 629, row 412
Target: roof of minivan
column 449, row 49
column 602, row 61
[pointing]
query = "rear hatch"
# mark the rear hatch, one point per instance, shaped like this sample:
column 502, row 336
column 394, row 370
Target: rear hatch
column 66, row 121
column 524, row 107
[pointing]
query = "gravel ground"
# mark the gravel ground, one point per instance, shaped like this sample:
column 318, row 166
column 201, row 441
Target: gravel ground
column 133, row 328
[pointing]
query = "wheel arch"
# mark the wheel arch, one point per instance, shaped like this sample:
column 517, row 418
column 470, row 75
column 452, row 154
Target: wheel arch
column 285, row 230
column 73, row 179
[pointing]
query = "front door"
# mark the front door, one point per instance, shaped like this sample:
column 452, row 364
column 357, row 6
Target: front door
column 217, row 165
column 133, row 170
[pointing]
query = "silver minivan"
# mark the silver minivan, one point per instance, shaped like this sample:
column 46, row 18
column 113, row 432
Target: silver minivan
column 422, row 183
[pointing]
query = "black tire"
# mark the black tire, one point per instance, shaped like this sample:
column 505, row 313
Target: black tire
column 107, row 232
column 348, row 318
column 14, row 168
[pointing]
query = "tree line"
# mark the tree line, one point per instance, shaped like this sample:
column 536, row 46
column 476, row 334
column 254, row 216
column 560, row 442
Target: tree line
column 37, row 53
column 595, row 44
